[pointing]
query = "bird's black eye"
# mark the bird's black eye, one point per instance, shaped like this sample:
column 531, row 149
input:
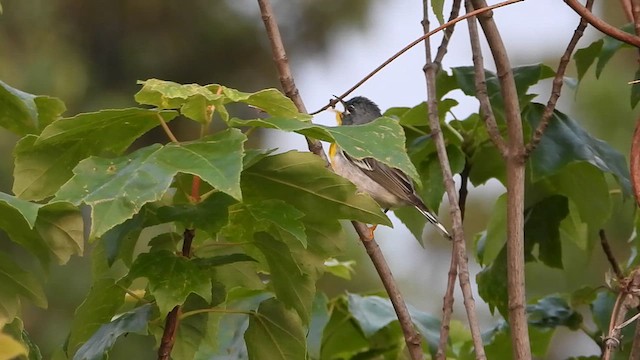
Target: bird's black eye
column 350, row 108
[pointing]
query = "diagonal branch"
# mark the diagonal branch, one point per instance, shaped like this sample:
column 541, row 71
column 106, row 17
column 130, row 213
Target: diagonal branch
column 412, row 339
column 456, row 215
column 446, row 37
column 557, row 84
column 486, row 111
column 601, row 25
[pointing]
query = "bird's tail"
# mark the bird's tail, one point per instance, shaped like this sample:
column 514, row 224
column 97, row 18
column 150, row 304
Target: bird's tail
column 433, row 220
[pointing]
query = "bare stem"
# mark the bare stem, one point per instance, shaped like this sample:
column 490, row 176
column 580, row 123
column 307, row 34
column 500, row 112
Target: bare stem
column 515, row 167
column 612, row 259
column 166, row 129
column 558, row 81
column 601, row 25
column 456, row 215
column 446, row 37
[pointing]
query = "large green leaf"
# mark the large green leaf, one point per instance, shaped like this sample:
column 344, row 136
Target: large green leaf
column 553, row 311
column 15, row 283
column 292, row 286
column 270, row 101
column 211, row 214
column 98, row 345
column 171, row 278
column 275, row 333
column 44, row 163
column 565, row 142
column 542, row 228
column 23, row 113
column 319, row 320
column 301, row 180
column 382, row 139
column 101, row 304
column 342, row 327
column 492, row 284
column 117, row 188
column 602, row 49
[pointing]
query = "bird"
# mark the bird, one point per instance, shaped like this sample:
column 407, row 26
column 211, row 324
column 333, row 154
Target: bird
column 388, row 186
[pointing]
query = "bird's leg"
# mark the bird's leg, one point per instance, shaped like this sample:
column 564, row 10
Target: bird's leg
column 373, row 228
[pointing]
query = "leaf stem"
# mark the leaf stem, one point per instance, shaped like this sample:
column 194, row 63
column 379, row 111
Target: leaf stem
column 166, row 129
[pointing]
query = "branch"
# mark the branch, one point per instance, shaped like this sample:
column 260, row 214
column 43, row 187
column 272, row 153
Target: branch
column 601, row 25
column 557, row 85
column 612, row 259
column 515, row 167
column 334, row 101
column 446, row 37
column 486, row 111
column 456, row 214
column 412, row 338
column 627, row 299
column 634, row 162
column 447, row 307
column 284, row 71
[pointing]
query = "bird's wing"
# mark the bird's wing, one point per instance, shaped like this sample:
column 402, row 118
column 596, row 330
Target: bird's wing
column 394, row 180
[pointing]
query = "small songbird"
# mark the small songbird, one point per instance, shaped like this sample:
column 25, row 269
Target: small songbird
column 389, row 187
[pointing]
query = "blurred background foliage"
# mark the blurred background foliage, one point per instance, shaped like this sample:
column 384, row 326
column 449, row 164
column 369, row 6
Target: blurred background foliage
column 91, row 53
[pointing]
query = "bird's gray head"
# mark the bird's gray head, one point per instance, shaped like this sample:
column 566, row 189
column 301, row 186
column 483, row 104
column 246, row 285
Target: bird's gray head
column 359, row 110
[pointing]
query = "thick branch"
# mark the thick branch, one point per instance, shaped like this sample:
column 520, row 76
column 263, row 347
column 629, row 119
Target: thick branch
column 558, row 81
column 515, row 187
column 486, row 111
column 601, row 25
column 456, row 215
column 412, row 338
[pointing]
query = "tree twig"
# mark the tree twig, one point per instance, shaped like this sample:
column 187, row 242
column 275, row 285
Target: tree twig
column 627, row 299
column 446, row 37
column 558, row 81
column 486, row 111
column 612, row 259
column 456, row 215
column 411, row 336
column 448, row 300
column 335, row 100
column 515, row 167
column 601, row 25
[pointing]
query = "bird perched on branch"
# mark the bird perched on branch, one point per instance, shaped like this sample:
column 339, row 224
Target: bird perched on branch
column 388, row 186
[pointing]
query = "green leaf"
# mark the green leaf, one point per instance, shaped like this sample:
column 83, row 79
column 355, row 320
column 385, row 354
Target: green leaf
column 220, row 260
column 61, row 226
column 542, row 228
column 275, row 333
column 101, row 304
column 43, row 164
column 341, row 269
column 192, row 99
column 15, row 283
column 437, row 7
column 301, row 180
column 117, row 188
column 565, row 141
column 23, row 113
column 284, row 217
column 319, row 320
column 382, row 139
column 374, row 313
column 342, row 326
column 171, row 278
column 18, row 220
column 120, row 240
column 553, row 311
column 271, row 101
column 98, row 345
column 609, row 47
column 492, row 284
column 490, row 242
column 210, row 215
column 16, row 331
column 292, row 286
column 585, row 57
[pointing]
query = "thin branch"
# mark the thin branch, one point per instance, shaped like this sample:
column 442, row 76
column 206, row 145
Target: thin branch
column 558, row 81
column 612, row 259
column 456, row 214
column 635, row 13
column 448, row 300
column 601, row 25
column 169, row 334
column 635, row 346
column 634, row 162
column 284, row 71
column 166, row 129
column 627, row 299
column 412, row 338
column 486, row 111
column 333, row 102
column 446, row 37
column 515, row 168
column 627, row 9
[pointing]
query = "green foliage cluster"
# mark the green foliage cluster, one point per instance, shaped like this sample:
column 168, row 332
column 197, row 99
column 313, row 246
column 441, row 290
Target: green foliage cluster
column 265, row 226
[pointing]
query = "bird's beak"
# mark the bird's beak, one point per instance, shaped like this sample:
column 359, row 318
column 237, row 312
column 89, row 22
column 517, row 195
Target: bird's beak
column 340, row 114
